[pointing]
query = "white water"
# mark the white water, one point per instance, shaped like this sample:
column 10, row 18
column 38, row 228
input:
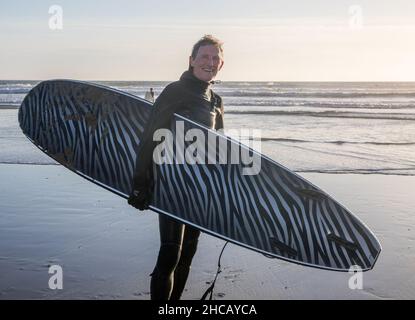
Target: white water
column 308, row 127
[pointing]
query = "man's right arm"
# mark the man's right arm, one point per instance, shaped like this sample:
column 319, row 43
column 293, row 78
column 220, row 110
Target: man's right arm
column 164, row 107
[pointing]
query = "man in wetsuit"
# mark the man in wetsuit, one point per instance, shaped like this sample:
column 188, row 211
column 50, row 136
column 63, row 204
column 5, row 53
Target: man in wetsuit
column 193, row 98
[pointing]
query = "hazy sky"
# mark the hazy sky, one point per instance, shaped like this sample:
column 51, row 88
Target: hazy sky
column 272, row 40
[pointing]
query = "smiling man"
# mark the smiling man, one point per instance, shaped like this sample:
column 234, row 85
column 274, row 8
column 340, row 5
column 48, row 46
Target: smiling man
column 193, row 98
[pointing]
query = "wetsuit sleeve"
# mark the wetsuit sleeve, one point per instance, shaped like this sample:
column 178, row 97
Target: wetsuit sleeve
column 219, row 122
column 163, row 110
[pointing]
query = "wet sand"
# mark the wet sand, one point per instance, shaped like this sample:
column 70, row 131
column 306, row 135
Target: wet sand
column 107, row 249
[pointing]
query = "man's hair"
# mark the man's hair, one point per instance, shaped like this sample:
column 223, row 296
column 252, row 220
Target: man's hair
column 207, row 39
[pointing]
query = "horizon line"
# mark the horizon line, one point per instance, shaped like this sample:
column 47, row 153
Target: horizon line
column 219, row 81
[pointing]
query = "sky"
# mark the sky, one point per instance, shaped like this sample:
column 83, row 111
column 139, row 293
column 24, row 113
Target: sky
column 295, row 40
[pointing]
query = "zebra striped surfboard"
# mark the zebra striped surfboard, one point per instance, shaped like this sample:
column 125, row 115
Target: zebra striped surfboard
column 95, row 131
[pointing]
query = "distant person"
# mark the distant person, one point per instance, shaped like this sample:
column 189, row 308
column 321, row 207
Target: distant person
column 193, row 98
column 150, row 95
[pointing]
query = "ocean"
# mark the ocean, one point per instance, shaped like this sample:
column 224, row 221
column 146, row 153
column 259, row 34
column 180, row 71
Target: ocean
column 331, row 127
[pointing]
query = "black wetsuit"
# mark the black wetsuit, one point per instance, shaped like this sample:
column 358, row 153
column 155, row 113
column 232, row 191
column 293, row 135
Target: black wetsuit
column 195, row 100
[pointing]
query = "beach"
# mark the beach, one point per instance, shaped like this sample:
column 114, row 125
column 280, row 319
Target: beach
column 321, row 90
column 107, row 249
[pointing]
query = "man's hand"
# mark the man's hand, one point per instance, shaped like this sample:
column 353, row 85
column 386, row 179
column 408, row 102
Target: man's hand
column 139, row 199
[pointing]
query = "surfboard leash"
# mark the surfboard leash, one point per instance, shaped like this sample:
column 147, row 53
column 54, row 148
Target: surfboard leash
column 219, row 270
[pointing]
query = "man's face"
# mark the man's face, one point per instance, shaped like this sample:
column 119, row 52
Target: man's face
column 207, row 63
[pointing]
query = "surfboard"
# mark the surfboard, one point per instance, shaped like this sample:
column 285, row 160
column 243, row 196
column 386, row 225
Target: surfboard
column 95, row 131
